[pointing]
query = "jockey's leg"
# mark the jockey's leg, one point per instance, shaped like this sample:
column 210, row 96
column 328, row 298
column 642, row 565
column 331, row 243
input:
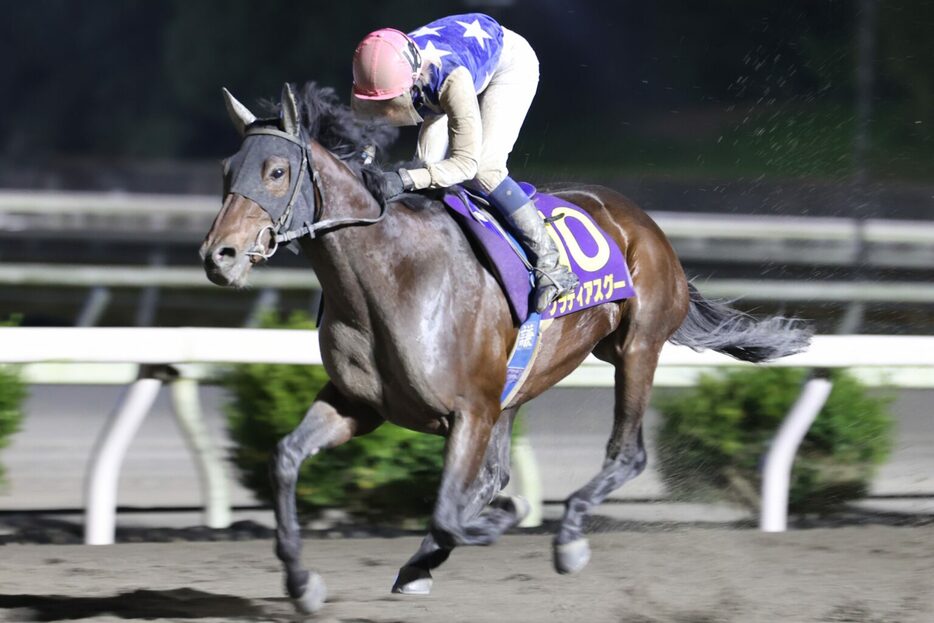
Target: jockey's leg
column 553, row 279
column 503, row 106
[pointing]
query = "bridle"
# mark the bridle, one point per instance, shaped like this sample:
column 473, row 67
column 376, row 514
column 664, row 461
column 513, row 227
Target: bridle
column 282, row 230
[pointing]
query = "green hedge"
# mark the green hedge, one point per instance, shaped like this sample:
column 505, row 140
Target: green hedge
column 12, row 394
column 713, row 438
column 389, row 475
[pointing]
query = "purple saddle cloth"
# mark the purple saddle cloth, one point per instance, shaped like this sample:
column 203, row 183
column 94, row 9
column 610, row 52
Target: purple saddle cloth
column 583, row 245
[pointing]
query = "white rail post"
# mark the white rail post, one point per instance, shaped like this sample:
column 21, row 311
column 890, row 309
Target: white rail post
column 528, row 480
column 776, row 474
column 104, row 473
column 94, row 307
column 214, row 488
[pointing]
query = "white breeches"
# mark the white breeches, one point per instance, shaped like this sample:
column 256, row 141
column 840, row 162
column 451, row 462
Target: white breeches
column 503, row 106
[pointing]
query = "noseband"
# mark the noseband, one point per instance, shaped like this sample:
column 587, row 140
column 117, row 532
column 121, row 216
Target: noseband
column 282, row 230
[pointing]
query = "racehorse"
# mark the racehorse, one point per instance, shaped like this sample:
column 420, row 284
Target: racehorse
column 417, row 331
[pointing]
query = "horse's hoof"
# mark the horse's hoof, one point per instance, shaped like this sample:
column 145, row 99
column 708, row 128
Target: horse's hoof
column 571, row 557
column 313, row 598
column 412, row 581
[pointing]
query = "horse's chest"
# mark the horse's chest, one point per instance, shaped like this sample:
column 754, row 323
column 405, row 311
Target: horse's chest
column 373, row 372
column 348, row 358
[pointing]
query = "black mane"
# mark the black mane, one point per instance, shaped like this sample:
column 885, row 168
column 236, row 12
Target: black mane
column 331, row 122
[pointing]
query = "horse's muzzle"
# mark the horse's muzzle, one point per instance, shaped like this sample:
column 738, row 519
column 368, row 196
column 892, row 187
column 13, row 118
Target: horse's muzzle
column 225, row 266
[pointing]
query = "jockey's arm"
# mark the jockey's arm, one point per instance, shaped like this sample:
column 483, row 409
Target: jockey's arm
column 465, row 133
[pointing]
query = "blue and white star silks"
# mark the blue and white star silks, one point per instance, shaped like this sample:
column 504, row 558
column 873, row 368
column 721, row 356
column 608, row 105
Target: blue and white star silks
column 475, row 30
column 425, row 31
column 433, row 55
column 473, row 41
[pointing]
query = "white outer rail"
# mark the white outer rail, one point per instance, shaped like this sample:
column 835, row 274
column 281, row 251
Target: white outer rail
column 164, row 207
column 90, row 276
column 190, row 345
column 163, row 353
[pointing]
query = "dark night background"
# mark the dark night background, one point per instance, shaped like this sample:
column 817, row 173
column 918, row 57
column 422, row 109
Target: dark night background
column 684, row 89
column 804, row 108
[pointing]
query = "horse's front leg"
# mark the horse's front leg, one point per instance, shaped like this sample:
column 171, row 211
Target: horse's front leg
column 330, row 421
column 415, row 576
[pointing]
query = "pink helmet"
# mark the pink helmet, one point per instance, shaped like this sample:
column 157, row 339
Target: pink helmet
column 385, row 65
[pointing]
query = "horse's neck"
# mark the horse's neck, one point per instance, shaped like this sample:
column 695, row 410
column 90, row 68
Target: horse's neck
column 374, row 277
column 347, row 260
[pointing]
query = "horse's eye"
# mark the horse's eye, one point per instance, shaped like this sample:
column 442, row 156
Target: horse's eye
column 277, row 173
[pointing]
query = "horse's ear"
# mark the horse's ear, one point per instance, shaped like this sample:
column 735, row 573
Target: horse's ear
column 289, row 111
column 239, row 114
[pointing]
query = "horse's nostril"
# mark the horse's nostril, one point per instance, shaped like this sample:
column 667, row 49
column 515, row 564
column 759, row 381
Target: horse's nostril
column 224, row 255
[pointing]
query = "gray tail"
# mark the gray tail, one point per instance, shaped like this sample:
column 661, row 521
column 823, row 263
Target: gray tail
column 716, row 325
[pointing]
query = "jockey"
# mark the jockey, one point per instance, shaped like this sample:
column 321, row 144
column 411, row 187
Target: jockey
column 469, row 82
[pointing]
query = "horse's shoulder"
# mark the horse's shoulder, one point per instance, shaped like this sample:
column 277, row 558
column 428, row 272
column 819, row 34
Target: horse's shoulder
column 423, row 209
column 427, row 223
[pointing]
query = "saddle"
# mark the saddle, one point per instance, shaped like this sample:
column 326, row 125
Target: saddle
column 590, row 253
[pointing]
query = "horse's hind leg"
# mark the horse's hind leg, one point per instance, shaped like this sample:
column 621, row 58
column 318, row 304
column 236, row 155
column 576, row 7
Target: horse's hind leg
column 415, row 576
column 625, row 452
column 330, row 421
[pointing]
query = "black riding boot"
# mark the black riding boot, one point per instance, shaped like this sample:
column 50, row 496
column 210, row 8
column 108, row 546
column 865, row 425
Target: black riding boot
column 552, row 279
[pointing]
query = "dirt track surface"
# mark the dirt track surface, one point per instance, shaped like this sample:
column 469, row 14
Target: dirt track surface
column 874, row 574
